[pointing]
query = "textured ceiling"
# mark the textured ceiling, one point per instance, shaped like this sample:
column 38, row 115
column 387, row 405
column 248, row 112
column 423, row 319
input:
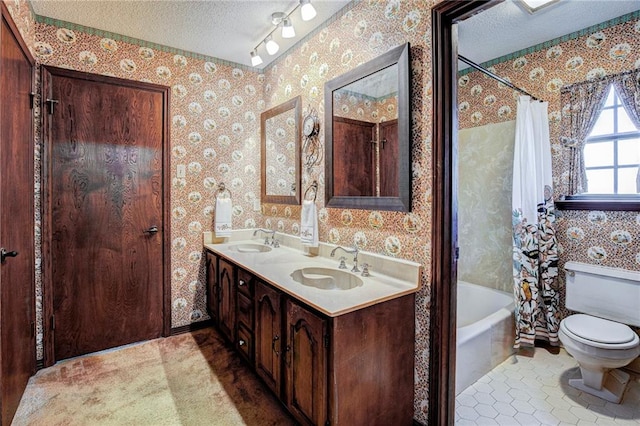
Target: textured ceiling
column 223, row 29
column 508, row 28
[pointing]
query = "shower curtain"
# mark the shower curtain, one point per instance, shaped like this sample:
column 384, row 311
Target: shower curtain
column 535, row 248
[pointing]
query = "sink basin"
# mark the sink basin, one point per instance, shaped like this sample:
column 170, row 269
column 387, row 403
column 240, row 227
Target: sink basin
column 326, row 278
column 250, row 248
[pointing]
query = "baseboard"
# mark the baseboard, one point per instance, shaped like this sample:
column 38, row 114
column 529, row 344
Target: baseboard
column 191, row 327
column 39, row 364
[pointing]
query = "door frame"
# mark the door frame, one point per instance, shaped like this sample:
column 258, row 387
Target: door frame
column 442, row 347
column 47, row 202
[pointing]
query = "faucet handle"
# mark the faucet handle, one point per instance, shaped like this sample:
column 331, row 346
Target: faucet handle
column 365, row 270
column 266, row 241
column 342, row 265
column 275, row 243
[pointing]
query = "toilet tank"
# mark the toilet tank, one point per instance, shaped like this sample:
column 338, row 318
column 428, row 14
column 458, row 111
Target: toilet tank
column 604, row 292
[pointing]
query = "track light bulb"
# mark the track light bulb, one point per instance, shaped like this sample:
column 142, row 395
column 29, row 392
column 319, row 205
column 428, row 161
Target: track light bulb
column 255, row 58
column 307, row 11
column 271, row 45
column 287, row 29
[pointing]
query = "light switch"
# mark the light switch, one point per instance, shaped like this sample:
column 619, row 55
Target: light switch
column 181, row 171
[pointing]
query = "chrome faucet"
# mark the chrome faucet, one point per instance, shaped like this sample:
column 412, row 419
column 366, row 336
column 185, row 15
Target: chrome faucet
column 353, row 250
column 273, row 242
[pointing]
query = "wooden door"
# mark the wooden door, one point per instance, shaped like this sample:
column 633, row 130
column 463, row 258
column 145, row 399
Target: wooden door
column 353, row 157
column 17, row 304
column 226, row 319
column 269, row 341
column 107, row 143
column 306, row 365
column 388, row 159
column 212, row 286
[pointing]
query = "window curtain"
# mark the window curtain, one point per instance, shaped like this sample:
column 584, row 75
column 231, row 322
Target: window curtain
column 627, row 85
column 535, row 247
column 581, row 105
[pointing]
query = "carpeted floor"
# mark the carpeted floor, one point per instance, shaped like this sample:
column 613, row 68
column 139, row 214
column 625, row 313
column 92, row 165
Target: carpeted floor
column 189, row 379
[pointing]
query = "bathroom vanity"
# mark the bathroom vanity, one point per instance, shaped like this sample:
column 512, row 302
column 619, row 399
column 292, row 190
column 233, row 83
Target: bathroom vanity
column 335, row 347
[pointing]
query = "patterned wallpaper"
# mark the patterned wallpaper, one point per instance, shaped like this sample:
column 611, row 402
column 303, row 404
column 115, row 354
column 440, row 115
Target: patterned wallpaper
column 604, row 238
column 485, row 179
column 215, row 108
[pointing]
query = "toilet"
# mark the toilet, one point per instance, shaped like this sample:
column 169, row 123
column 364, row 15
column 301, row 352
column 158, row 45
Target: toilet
column 598, row 336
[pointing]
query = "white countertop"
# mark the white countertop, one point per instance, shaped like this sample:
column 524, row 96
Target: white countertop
column 389, row 277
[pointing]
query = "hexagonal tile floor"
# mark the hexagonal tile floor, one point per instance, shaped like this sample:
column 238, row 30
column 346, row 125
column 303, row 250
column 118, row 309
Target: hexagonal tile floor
column 535, row 391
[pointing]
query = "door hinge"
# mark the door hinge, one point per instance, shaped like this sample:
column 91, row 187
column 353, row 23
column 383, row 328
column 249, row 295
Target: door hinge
column 51, row 103
column 457, row 253
column 32, row 96
column 53, row 322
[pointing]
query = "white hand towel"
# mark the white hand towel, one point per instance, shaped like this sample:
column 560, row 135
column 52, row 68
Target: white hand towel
column 223, row 217
column 309, row 224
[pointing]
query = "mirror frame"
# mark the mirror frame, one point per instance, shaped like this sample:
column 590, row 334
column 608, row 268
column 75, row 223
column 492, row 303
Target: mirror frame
column 398, row 55
column 295, row 105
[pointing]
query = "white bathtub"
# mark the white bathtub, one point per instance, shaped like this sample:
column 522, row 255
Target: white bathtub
column 485, row 331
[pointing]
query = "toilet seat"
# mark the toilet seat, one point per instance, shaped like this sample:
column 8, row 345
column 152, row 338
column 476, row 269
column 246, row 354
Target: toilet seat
column 598, row 332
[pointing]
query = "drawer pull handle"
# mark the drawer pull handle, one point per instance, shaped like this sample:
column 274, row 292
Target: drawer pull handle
column 241, row 283
column 273, row 344
column 241, row 342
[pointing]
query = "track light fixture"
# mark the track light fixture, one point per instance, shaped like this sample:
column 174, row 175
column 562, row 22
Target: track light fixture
column 271, row 45
column 255, row 58
column 307, row 12
column 287, row 29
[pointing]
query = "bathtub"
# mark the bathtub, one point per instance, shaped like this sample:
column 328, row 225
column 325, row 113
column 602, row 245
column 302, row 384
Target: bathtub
column 485, row 331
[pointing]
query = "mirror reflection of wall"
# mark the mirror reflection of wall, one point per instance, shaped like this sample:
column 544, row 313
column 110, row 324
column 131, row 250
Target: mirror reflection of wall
column 280, row 132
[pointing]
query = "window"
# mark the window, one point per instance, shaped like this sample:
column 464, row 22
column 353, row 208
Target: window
column 612, row 151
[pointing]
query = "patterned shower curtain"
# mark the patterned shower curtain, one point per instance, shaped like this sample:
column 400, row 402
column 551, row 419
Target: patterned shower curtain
column 535, row 248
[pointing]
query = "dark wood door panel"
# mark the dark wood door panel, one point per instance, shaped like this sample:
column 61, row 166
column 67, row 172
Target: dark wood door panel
column 106, row 191
column 389, row 159
column 353, row 155
column 306, row 361
column 17, row 304
column 269, row 338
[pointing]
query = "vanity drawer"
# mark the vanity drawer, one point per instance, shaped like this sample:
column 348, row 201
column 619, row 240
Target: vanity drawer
column 245, row 311
column 245, row 342
column 245, row 283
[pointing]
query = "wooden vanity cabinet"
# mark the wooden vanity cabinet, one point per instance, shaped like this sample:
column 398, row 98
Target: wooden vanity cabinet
column 353, row 369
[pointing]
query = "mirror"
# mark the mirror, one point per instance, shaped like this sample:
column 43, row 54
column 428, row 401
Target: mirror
column 280, row 159
column 367, row 135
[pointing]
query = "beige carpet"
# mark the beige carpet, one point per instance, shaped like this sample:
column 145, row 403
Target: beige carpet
column 190, row 379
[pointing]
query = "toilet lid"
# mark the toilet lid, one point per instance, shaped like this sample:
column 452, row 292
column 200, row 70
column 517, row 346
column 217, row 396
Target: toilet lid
column 598, row 329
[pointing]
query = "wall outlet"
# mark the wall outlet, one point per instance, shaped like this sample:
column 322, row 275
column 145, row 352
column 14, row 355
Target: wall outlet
column 181, row 171
column 256, row 205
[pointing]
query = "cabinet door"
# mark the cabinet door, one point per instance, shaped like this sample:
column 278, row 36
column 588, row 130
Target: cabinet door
column 226, row 313
column 212, row 286
column 268, row 331
column 306, row 365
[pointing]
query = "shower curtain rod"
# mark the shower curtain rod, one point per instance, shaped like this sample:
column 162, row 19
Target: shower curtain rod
column 495, row 77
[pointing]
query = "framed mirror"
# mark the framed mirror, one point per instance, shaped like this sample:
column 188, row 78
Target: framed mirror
column 280, row 153
column 368, row 135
